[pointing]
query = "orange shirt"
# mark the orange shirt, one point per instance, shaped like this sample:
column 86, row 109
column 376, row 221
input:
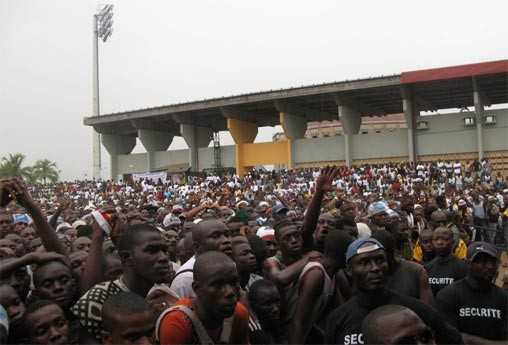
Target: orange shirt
column 175, row 328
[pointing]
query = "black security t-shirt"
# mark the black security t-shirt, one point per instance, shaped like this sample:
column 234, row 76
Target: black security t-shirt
column 474, row 309
column 344, row 325
column 443, row 271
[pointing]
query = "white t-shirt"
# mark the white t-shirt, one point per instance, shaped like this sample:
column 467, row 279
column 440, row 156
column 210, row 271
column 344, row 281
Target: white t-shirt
column 182, row 284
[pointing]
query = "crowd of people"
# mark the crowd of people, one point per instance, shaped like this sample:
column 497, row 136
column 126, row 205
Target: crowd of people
column 377, row 254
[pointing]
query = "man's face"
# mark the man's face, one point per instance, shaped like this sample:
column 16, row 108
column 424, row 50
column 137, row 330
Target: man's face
column 78, row 260
column 220, row 291
column 10, row 300
column 134, row 329
column 5, row 243
column 404, row 327
column 326, row 223
column 28, row 234
column 82, row 243
column 216, row 237
column 290, row 240
column 18, row 227
column 113, row 267
column 48, row 325
column 150, row 258
column 171, row 238
column 442, row 241
column 267, row 306
column 6, row 225
column 484, row 267
column 54, row 282
column 349, row 212
column 244, row 257
column 426, row 242
column 369, row 269
column 271, row 247
column 19, row 280
column 20, row 243
column 380, row 219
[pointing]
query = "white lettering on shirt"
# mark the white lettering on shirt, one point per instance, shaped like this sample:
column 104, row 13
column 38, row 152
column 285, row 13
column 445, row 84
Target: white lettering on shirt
column 480, row 312
column 353, row 339
column 440, row 281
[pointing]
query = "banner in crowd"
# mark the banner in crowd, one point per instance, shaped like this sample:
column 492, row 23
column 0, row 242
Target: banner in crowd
column 154, row 176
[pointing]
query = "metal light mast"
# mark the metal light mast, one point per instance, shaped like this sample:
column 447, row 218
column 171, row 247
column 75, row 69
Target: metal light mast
column 102, row 28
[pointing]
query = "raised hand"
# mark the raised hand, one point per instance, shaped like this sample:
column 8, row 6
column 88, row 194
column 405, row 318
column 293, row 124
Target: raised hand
column 325, row 178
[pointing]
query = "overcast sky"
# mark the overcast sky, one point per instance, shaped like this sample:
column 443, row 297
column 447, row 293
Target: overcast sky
column 163, row 52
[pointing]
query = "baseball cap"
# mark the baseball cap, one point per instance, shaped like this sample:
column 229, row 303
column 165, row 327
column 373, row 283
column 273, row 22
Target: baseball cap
column 377, row 208
column 279, row 208
column 266, row 233
column 21, row 218
column 362, row 245
column 476, row 248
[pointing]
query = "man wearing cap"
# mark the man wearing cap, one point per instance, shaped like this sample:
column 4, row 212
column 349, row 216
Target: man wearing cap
column 267, row 234
column 368, row 266
column 474, row 304
column 21, row 221
column 378, row 215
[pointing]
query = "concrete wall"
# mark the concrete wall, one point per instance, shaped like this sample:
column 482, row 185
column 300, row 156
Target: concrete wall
column 379, row 145
column 323, row 149
column 446, row 134
column 206, row 158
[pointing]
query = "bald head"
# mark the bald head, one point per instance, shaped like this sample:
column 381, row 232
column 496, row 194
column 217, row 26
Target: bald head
column 211, row 234
column 211, row 263
column 395, row 324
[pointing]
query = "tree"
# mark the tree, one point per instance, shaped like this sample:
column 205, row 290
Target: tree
column 11, row 166
column 46, row 170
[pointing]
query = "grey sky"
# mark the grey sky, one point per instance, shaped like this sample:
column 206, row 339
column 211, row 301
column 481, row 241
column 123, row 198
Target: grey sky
column 163, row 52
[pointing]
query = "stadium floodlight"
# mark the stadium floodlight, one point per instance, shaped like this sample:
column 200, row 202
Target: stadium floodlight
column 103, row 29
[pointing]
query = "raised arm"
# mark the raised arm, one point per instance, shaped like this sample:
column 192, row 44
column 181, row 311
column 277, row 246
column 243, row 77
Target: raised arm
column 47, row 234
column 323, row 185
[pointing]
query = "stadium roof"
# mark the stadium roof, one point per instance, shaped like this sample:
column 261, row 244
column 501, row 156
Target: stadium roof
column 433, row 89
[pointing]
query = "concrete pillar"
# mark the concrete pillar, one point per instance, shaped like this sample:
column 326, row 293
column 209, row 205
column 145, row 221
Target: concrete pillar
column 294, row 127
column 117, row 145
column 154, row 141
column 479, row 111
column 195, row 137
column 351, row 122
column 243, row 132
column 410, row 112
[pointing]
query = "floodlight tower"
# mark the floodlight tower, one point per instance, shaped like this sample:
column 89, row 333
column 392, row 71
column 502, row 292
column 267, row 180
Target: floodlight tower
column 102, row 28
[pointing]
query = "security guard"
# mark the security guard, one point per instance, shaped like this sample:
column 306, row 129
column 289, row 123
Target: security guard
column 474, row 304
column 445, row 268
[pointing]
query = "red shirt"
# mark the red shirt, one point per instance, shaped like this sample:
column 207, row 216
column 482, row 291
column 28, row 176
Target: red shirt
column 175, row 328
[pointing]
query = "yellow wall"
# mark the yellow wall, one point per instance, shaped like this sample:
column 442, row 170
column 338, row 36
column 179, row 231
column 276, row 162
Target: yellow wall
column 249, row 155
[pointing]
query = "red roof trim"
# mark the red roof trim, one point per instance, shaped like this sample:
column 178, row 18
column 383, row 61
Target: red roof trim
column 461, row 71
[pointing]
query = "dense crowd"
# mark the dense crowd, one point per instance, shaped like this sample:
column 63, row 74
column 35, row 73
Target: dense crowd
column 377, row 254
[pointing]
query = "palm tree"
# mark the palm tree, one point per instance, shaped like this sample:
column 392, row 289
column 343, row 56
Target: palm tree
column 11, row 166
column 46, row 170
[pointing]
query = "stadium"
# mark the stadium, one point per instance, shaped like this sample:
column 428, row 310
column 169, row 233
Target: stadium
column 452, row 113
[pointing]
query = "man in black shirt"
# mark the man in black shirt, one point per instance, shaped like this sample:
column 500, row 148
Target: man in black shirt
column 474, row 304
column 445, row 268
column 367, row 264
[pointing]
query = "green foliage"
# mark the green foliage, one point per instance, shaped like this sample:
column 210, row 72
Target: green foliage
column 42, row 171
